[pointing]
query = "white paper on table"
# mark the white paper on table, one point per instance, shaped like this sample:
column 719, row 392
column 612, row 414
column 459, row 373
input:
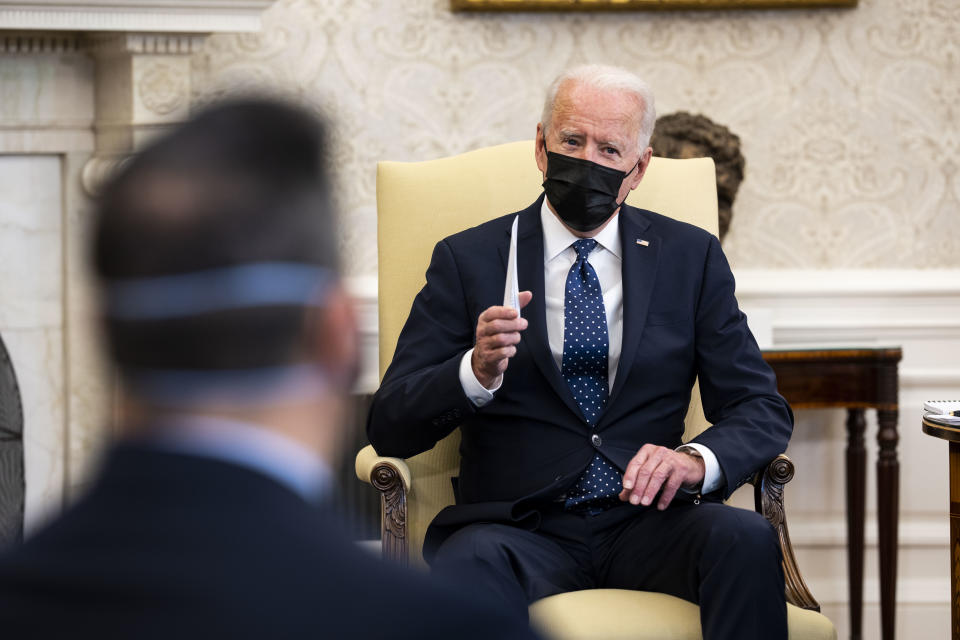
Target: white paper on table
column 946, row 420
column 511, row 294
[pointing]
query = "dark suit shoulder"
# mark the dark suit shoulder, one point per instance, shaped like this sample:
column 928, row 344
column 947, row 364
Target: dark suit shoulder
column 670, row 228
column 685, row 248
column 206, row 549
column 491, row 232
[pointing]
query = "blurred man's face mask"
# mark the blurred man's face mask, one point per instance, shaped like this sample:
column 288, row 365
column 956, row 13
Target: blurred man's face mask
column 231, row 288
column 583, row 193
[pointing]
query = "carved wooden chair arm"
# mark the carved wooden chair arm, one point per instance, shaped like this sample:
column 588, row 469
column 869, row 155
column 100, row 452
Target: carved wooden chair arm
column 368, row 459
column 391, row 477
column 768, row 501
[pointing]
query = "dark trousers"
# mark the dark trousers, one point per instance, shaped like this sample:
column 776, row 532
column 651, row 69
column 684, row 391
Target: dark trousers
column 726, row 560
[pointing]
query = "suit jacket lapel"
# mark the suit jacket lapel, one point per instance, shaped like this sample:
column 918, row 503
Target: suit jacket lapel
column 530, row 276
column 639, row 275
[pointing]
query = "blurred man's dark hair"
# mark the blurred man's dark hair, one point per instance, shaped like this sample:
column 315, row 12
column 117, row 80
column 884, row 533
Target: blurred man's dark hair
column 241, row 183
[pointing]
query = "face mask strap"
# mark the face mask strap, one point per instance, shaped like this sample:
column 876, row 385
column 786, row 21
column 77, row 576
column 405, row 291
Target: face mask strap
column 636, row 166
column 221, row 289
column 619, row 204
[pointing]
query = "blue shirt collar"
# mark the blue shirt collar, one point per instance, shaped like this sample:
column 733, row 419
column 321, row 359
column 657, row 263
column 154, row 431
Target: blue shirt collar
column 247, row 445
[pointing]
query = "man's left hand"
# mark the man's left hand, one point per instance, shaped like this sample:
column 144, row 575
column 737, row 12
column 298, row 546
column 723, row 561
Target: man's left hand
column 656, row 467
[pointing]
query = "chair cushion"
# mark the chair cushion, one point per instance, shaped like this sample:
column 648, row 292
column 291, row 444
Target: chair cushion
column 618, row 614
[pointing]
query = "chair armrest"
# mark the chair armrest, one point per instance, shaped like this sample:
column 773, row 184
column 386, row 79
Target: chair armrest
column 391, row 477
column 368, row 460
column 768, row 501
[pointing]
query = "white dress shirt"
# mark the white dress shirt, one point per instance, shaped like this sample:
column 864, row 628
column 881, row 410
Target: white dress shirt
column 558, row 256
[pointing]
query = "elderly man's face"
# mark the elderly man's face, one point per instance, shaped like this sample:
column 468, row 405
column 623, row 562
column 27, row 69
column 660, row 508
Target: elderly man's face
column 596, row 125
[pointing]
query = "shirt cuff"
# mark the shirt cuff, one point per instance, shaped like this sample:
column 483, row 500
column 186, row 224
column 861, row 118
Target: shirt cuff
column 712, row 476
column 478, row 394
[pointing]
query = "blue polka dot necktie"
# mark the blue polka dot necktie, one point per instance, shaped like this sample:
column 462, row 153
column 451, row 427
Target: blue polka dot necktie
column 584, row 367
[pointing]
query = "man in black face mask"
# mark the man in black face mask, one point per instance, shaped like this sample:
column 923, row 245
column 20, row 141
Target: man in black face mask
column 573, row 475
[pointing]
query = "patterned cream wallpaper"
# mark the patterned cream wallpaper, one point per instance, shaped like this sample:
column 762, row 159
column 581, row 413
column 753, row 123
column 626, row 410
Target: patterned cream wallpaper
column 848, row 118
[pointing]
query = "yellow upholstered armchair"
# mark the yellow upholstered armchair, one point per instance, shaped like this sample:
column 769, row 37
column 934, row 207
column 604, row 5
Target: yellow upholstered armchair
column 419, row 204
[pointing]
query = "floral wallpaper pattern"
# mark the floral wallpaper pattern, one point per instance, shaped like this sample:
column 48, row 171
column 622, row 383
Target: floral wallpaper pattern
column 848, row 118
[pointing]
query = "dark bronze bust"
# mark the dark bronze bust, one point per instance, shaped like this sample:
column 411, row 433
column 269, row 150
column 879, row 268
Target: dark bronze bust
column 683, row 135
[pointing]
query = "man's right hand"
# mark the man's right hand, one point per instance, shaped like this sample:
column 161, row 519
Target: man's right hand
column 498, row 334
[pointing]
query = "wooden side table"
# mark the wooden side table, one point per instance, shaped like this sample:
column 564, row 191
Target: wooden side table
column 952, row 434
column 856, row 379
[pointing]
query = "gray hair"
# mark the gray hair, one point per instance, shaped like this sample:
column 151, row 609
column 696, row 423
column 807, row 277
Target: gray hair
column 606, row 78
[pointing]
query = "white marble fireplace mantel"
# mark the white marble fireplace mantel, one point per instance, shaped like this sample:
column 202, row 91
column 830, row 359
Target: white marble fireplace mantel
column 179, row 16
column 139, row 81
column 82, row 85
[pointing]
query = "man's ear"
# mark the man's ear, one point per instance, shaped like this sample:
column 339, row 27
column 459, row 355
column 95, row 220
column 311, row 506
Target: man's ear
column 540, row 145
column 333, row 339
column 641, row 168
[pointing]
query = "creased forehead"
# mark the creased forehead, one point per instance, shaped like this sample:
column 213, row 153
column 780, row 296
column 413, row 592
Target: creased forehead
column 609, row 78
column 618, row 112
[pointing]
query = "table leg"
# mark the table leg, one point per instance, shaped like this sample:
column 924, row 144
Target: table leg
column 888, row 503
column 856, row 502
column 955, row 539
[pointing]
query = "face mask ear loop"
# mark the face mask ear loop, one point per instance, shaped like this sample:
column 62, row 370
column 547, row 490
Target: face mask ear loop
column 620, row 204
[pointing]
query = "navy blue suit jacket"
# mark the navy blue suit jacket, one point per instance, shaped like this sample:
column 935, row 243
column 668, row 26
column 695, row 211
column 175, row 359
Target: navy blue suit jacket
column 680, row 320
column 173, row 546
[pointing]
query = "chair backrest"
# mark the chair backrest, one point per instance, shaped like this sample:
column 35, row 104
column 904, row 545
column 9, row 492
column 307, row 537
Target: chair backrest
column 420, row 203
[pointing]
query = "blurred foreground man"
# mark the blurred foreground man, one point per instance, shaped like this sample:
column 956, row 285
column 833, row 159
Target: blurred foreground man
column 572, row 472
column 225, row 317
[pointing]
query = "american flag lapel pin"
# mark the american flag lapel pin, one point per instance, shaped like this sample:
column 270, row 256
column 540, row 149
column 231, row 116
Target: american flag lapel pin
column 643, row 243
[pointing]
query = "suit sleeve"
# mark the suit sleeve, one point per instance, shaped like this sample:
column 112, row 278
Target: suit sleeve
column 421, row 399
column 752, row 422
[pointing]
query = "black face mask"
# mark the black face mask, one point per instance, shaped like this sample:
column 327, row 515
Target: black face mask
column 583, row 193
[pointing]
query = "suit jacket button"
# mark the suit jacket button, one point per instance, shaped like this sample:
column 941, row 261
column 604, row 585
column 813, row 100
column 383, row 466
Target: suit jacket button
column 596, row 440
